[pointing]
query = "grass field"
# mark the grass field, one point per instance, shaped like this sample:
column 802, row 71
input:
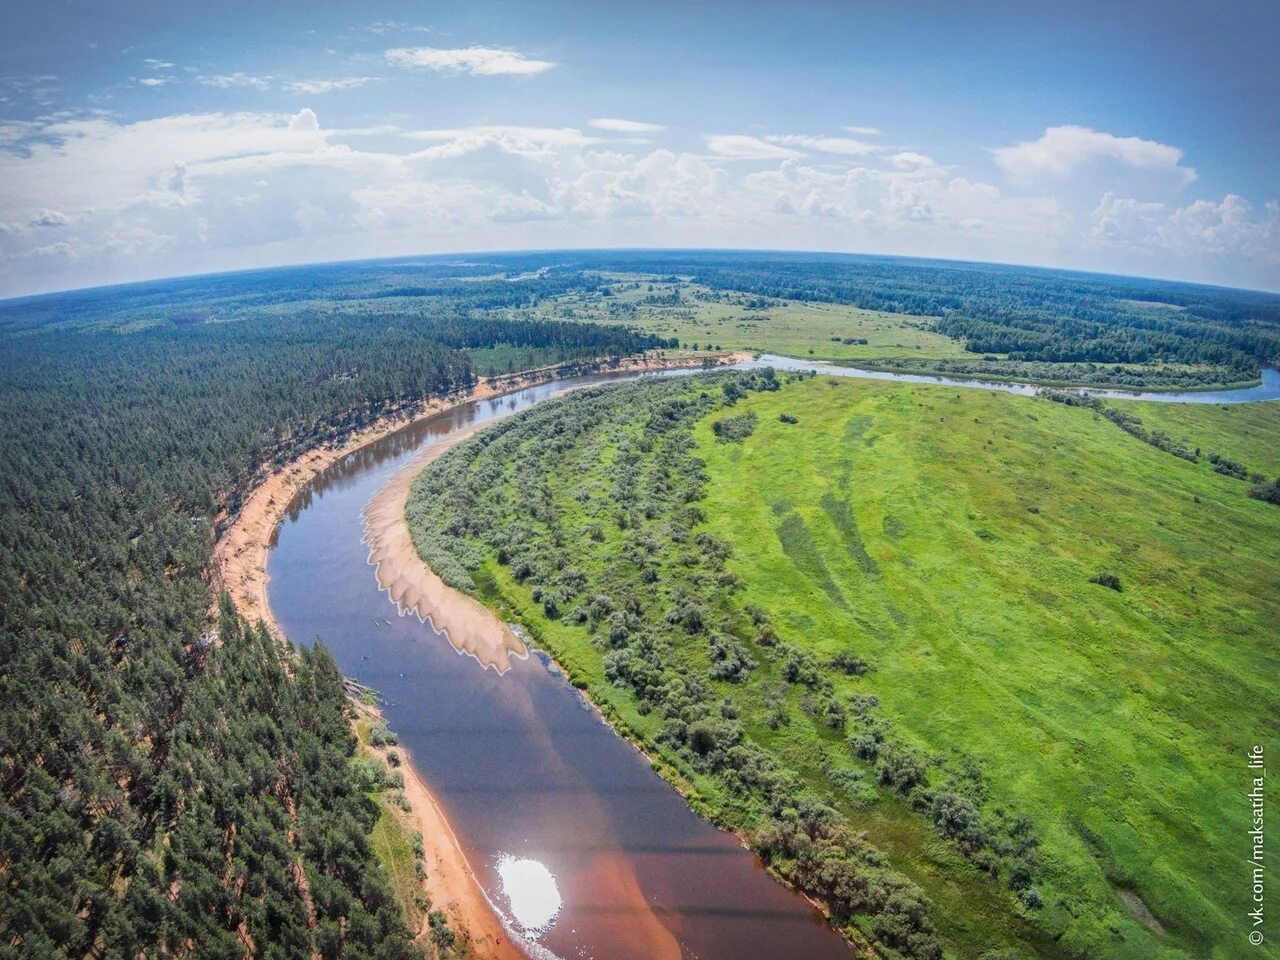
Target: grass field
column 737, row 321
column 949, row 538
column 394, row 838
column 1118, row 720
column 1248, row 433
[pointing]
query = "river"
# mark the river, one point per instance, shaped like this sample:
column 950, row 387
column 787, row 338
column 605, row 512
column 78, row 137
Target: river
column 1268, row 389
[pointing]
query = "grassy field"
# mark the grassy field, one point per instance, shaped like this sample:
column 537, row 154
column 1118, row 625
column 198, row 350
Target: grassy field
column 1118, row 720
column 734, row 321
column 949, row 539
column 1248, row 433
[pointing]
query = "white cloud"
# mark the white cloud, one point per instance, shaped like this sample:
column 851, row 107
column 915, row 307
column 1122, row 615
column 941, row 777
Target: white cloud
column 742, row 147
column 480, row 61
column 1061, row 150
column 320, row 85
column 154, row 64
column 50, row 218
column 516, row 140
column 1223, row 227
column 155, row 81
column 95, row 199
column 916, row 163
column 841, row 145
column 225, row 81
column 304, row 119
column 1124, row 221
column 615, row 125
column 381, row 27
column 1198, row 229
column 864, row 131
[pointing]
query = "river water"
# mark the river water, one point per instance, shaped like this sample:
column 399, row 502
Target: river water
column 1269, row 389
column 578, row 844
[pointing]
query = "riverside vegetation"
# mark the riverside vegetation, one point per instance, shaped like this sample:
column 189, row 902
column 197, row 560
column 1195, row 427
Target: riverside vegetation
column 869, row 627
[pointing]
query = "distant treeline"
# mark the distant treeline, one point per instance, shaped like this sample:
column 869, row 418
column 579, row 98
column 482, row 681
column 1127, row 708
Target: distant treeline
column 159, row 787
column 1038, row 315
column 1030, row 315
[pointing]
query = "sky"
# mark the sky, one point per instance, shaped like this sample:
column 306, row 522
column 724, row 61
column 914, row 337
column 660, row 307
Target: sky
column 145, row 140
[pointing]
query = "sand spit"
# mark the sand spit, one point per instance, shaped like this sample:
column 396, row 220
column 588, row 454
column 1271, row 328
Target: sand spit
column 469, row 626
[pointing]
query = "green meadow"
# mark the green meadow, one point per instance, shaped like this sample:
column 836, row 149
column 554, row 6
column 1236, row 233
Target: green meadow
column 925, row 562
column 1248, row 433
column 696, row 314
column 1117, row 720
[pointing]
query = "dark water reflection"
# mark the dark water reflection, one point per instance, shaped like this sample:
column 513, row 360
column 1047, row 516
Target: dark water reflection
column 520, row 763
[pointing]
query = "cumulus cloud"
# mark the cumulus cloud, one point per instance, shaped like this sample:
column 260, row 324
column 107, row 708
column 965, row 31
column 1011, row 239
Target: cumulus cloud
column 742, row 147
column 841, row 145
column 96, row 199
column 615, row 125
column 50, row 218
column 1201, row 228
column 1060, row 151
column 321, row 85
column 864, row 131
column 1124, row 220
column 480, row 61
column 226, row 81
column 155, row 81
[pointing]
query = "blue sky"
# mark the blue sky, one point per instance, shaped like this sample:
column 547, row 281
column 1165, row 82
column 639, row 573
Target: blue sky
column 1136, row 138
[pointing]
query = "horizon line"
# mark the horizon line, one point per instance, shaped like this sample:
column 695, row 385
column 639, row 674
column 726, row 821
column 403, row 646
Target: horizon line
column 203, row 275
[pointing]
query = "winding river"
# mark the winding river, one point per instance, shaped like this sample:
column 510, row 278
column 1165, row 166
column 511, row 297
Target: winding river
column 577, row 843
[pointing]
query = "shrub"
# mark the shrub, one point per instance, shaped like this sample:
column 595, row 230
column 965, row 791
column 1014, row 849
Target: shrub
column 1267, row 493
column 865, row 747
column 736, row 428
column 441, row 935
column 1229, row 468
column 1105, row 579
column 848, row 663
column 702, row 738
column 900, row 769
column 787, row 418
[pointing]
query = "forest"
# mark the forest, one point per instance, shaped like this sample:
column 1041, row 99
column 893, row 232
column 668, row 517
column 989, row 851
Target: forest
column 1018, row 322
column 164, row 774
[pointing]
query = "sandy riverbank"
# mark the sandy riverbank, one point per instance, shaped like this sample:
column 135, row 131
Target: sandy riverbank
column 240, row 568
column 469, row 626
column 450, row 883
column 240, row 555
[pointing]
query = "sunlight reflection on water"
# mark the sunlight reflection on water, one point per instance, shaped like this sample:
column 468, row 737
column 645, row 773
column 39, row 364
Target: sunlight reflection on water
column 531, row 891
